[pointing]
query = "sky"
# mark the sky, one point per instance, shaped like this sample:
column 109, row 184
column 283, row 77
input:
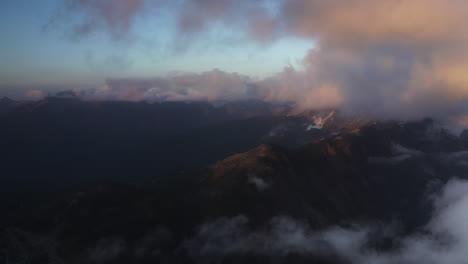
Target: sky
column 390, row 59
column 38, row 52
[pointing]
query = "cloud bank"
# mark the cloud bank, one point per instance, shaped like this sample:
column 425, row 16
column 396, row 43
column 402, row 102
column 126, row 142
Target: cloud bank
column 35, row 95
column 443, row 240
column 389, row 59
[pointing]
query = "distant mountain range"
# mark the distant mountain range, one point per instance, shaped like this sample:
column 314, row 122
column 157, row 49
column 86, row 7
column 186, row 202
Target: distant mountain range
column 65, row 136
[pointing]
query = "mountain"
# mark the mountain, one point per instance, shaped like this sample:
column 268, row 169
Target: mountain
column 64, row 139
column 6, row 104
column 240, row 209
column 351, row 169
column 6, row 100
column 464, row 135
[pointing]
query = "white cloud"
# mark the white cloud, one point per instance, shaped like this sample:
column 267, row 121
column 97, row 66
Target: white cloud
column 443, row 240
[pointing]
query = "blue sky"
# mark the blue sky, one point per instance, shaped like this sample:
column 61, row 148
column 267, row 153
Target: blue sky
column 31, row 57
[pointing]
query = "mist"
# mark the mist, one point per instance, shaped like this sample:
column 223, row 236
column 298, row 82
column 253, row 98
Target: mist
column 444, row 239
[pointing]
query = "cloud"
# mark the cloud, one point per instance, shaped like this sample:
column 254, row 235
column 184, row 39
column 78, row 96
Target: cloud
column 443, row 240
column 290, row 86
column 231, row 236
column 35, row 95
column 405, row 59
column 281, row 237
column 213, row 85
column 107, row 249
column 393, row 58
column 118, row 17
column 446, row 237
column 115, row 17
column 399, row 155
column 258, row 182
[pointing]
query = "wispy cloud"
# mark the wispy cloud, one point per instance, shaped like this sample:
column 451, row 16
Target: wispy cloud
column 443, row 240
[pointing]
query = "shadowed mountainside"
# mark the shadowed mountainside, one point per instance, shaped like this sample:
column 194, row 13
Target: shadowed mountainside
column 382, row 172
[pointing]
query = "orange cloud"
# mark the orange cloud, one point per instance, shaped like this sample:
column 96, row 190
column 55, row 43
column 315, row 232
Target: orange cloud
column 387, row 58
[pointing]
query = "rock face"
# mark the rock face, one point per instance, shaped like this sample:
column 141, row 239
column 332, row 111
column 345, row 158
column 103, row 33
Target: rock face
column 380, row 172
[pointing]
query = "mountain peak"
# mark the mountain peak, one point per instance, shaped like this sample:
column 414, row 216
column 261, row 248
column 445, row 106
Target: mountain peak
column 6, row 100
column 259, row 159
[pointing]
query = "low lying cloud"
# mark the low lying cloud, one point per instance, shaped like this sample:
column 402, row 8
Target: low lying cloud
column 35, row 95
column 214, row 85
column 399, row 155
column 443, row 240
column 290, row 86
column 107, row 249
column 259, row 183
column 283, row 236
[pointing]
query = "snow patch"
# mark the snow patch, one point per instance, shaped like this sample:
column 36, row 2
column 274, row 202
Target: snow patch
column 320, row 122
column 313, row 126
